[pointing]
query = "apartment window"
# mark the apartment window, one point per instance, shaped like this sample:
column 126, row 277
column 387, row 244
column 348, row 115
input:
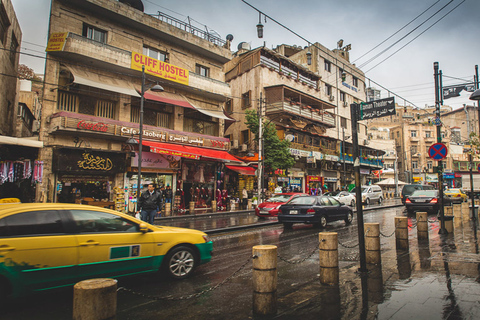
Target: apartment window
column 86, row 105
column 67, row 101
column 328, row 89
column 246, row 102
column 152, row 117
column 328, row 66
column 343, row 122
column 414, row 150
column 201, row 126
column 4, row 24
column 155, row 54
column 398, row 134
column 202, row 70
column 244, row 135
column 444, row 164
column 429, row 165
column 94, row 33
column 428, row 134
column 414, row 165
column 413, row 133
column 355, row 81
column 229, row 106
column 105, row 109
column 13, row 48
column 342, row 96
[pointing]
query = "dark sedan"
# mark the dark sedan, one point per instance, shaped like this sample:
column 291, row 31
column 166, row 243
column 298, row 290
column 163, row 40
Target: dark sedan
column 316, row 210
column 422, row 200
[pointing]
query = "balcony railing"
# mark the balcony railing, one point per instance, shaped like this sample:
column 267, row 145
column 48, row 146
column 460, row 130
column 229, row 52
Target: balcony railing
column 302, row 110
column 368, row 162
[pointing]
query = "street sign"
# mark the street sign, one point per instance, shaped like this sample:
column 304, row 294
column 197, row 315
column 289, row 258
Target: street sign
column 437, row 151
column 377, row 109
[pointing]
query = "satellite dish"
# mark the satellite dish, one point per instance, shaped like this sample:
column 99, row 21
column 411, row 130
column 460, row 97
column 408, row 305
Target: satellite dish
column 137, row 4
column 229, row 37
column 290, row 137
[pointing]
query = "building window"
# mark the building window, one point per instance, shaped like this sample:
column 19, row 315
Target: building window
column 413, row 133
column 105, row 109
column 67, row 101
column 328, row 66
column 414, row 165
column 342, row 96
column 429, row 165
column 246, row 102
column 86, row 105
column 355, row 81
column 414, row 150
column 4, row 24
column 428, row 134
column 13, row 48
column 229, row 106
column 94, row 33
column 398, row 134
column 155, row 54
column 343, row 122
column 197, row 125
column 202, row 70
column 152, row 117
column 328, row 89
column 244, row 137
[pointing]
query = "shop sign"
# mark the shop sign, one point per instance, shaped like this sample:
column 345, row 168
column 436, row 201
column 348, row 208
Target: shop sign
column 298, row 174
column 331, row 179
column 448, row 175
column 300, row 153
column 458, row 175
column 364, row 171
column 56, row 41
column 317, row 155
column 159, row 68
column 431, row 177
column 329, row 157
column 92, row 126
column 296, row 181
column 314, row 178
column 156, row 161
column 417, row 179
column 185, row 139
column 311, row 159
column 88, row 161
column 280, row 172
column 157, row 135
column 175, row 153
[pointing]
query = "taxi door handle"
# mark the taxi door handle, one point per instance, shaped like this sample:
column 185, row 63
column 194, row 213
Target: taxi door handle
column 6, row 248
column 90, row 243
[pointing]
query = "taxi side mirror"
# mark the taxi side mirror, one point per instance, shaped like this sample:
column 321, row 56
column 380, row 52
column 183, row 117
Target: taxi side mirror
column 143, row 228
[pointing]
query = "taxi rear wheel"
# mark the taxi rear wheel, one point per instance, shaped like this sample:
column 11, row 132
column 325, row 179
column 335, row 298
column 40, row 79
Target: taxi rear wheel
column 180, row 262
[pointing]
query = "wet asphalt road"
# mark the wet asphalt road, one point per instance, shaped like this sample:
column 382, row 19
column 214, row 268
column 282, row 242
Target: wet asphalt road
column 448, row 289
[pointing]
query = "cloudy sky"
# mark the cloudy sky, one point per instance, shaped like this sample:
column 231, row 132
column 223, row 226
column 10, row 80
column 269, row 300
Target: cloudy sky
column 453, row 41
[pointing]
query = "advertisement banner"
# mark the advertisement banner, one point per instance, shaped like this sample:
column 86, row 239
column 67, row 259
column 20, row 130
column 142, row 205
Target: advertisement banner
column 156, row 161
column 159, row 68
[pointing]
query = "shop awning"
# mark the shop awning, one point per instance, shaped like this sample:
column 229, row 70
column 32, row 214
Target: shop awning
column 96, row 80
column 25, row 142
column 189, row 151
column 210, row 112
column 248, row 171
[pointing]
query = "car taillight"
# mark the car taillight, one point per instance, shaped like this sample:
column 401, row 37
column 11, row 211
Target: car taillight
column 408, row 201
column 459, row 195
column 310, row 211
column 434, row 200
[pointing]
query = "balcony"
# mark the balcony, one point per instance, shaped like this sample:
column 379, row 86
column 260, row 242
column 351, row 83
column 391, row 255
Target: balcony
column 304, row 111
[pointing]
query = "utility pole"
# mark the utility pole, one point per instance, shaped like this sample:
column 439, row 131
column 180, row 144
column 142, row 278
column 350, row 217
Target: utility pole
column 260, row 151
column 438, row 103
column 396, row 173
column 343, row 157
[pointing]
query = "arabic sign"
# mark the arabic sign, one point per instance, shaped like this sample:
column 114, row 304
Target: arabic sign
column 156, row 161
column 56, row 42
column 159, row 68
column 73, row 160
column 377, row 109
column 175, row 153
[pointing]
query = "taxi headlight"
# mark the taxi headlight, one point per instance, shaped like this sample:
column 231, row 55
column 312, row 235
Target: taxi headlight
column 206, row 238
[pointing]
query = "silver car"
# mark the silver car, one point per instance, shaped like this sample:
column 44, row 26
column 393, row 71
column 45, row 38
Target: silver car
column 371, row 194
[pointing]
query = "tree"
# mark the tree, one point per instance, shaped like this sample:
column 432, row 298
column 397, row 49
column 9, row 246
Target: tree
column 26, row 73
column 276, row 152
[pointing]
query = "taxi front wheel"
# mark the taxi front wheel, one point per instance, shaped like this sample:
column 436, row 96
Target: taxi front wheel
column 180, row 262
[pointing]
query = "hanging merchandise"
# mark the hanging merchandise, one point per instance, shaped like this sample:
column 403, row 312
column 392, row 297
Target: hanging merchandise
column 27, row 169
column 38, row 172
column 4, row 167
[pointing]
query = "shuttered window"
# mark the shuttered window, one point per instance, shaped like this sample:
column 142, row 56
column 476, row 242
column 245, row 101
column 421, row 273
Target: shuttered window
column 105, row 109
column 67, row 101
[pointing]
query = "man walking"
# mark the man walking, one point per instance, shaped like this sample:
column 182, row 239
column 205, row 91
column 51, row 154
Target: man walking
column 149, row 204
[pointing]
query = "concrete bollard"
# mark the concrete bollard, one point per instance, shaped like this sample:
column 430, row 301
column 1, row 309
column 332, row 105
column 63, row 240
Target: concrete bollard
column 372, row 243
column 457, row 208
column 249, row 204
column 401, row 232
column 192, row 207
column 95, row 299
column 214, row 206
column 328, row 258
column 264, row 279
column 168, row 209
column 448, row 223
column 422, row 225
column 448, row 210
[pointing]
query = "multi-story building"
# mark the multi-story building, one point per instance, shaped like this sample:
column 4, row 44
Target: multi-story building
column 309, row 104
column 92, row 102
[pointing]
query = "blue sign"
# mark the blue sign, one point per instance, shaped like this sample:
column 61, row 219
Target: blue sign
column 448, row 176
column 437, row 151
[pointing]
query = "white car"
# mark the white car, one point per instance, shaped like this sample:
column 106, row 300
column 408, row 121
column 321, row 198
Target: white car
column 343, row 197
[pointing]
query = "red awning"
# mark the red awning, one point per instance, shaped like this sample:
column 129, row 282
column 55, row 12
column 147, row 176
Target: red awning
column 248, row 171
column 189, row 151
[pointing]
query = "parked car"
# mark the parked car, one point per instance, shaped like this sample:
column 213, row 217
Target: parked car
column 422, row 200
column 270, row 207
column 408, row 189
column 47, row 246
column 454, row 196
column 343, row 197
column 316, row 210
column 371, row 194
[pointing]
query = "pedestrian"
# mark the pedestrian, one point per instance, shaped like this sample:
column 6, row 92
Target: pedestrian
column 278, row 189
column 149, row 204
column 244, row 198
column 168, row 194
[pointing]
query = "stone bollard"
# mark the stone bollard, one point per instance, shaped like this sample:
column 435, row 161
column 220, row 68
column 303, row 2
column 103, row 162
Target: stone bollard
column 457, row 209
column 401, row 232
column 448, row 223
column 448, row 210
column 328, row 258
column 168, row 209
column 264, row 279
column 249, row 204
column 372, row 243
column 422, row 225
column 192, row 207
column 214, row 206
column 95, row 299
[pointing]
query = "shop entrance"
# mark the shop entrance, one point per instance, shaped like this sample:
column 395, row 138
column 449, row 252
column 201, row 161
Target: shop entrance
column 92, row 190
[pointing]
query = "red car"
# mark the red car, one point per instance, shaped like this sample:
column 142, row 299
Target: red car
column 270, row 208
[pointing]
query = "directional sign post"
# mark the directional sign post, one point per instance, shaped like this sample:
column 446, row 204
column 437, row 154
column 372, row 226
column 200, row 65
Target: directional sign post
column 438, row 151
column 377, row 108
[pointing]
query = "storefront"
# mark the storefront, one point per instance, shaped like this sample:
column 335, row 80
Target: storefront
column 313, row 184
column 449, row 179
column 88, row 176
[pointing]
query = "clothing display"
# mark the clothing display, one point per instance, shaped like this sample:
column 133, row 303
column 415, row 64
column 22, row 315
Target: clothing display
column 14, row 171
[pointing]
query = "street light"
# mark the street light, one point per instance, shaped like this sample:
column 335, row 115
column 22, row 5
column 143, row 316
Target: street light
column 155, row 88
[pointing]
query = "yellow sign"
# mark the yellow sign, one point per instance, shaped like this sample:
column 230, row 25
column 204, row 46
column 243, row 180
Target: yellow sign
column 91, row 162
column 56, row 42
column 159, row 68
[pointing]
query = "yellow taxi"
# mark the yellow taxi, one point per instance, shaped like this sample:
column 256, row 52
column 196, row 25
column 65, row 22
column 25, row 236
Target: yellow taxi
column 455, row 195
column 47, row 246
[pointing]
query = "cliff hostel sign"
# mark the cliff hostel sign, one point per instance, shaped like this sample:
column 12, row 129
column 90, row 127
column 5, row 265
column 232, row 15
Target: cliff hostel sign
column 377, row 109
column 159, row 68
column 56, row 42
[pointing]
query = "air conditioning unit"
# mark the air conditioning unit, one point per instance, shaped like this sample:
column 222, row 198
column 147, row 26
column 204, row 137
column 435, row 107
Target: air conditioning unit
column 36, row 126
column 331, row 98
column 244, row 147
column 365, row 142
column 345, row 103
column 235, row 144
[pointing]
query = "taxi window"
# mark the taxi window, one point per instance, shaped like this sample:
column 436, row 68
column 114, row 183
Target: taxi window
column 31, row 223
column 89, row 221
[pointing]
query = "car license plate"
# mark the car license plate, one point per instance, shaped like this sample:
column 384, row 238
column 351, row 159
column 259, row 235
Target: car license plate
column 263, row 212
column 293, row 211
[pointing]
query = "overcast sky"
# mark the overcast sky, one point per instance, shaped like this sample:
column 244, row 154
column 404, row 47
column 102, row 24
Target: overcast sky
column 454, row 41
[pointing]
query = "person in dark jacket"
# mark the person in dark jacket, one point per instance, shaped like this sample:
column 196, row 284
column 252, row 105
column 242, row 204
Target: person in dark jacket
column 149, row 204
column 168, row 194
